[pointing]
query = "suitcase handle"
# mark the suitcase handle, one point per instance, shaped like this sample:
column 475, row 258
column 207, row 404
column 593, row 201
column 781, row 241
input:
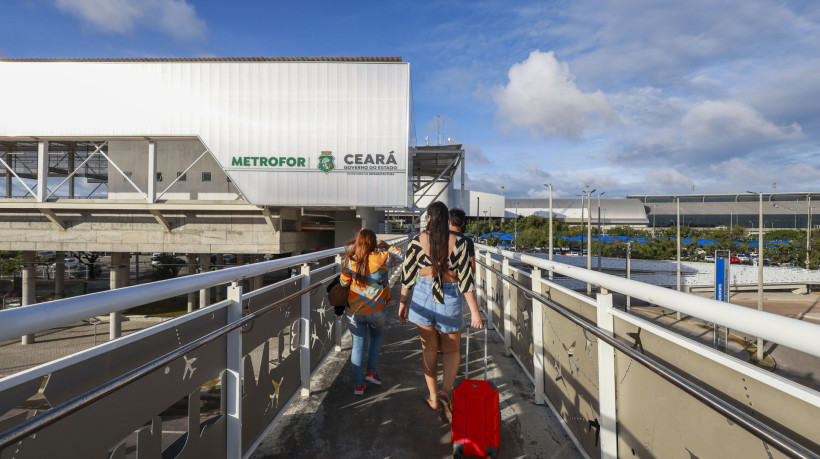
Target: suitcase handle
column 467, row 354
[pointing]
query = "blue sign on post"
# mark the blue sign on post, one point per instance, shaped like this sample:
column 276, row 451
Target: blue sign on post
column 722, row 279
column 721, row 294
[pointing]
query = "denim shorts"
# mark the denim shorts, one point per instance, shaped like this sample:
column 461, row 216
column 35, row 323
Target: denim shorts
column 447, row 317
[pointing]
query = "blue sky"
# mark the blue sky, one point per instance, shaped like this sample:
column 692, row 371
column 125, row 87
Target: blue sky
column 628, row 96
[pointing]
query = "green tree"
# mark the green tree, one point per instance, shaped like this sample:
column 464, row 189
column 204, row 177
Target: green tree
column 167, row 267
column 12, row 261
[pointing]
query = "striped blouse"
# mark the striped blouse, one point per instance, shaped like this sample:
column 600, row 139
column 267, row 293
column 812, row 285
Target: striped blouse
column 374, row 293
column 459, row 261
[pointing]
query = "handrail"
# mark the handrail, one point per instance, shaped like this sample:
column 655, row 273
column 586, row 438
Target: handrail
column 751, row 425
column 42, row 316
column 33, row 425
column 796, row 334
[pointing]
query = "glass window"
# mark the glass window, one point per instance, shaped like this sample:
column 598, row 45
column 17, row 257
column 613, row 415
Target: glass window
column 159, row 176
column 206, row 176
column 182, row 177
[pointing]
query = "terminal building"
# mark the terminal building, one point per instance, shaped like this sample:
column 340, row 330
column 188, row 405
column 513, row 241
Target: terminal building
column 613, row 212
column 779, row 210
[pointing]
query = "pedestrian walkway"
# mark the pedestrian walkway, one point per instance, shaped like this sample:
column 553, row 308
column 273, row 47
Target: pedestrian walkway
column 393, row 420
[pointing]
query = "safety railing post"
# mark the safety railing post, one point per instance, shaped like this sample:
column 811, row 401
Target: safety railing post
column 490, row 293
column 233, row 375
column 538, row 336
column 606, row 379
column 506, row 301
column 305, row 332
column 479, row 290
column 337, row 322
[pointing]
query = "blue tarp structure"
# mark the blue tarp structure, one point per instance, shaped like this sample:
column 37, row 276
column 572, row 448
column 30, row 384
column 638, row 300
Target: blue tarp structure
column 500, row 236
column 639, row 240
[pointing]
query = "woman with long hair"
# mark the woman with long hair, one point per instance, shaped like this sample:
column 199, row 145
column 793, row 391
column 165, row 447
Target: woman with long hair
column 366, row 271
column 438, row 266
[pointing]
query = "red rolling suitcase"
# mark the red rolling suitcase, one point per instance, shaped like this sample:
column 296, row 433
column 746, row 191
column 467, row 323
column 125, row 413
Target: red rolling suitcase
column 476, row 425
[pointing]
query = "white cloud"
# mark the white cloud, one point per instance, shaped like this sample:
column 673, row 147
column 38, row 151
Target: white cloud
column 542, row 97
column 173, row 17
column 596, row 181
column 667, row 177
column 717, row 121
column 475, row 155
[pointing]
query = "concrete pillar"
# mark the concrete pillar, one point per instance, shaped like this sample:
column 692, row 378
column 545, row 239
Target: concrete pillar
column 29, row 285
column 125, row 270
column 191, row 269
column 220, row 289
column 257, row 280
column 59, row 275
column 114, row 282
column 204, row 266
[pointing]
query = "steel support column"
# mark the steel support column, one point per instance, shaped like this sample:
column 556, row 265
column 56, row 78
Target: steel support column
column 304, row 351
column 233, row 375
column 606, row 380
column 42, row 170
column 538, row 337
column 152, row 172
column 506, row 301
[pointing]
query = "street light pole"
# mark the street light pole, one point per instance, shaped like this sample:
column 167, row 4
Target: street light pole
column 654, row 213
column 515, row 231
column 760, row 274
column 759, row 353
column 550, row 244
column 678, row 241
column 589, row 236
column 599, row 229
column 808, row 229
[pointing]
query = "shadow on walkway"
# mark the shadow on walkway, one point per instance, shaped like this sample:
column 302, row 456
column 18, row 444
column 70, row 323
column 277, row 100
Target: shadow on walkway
column 393, row 420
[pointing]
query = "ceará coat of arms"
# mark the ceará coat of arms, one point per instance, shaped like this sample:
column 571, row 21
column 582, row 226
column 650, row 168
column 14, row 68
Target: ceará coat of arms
column 326, row 163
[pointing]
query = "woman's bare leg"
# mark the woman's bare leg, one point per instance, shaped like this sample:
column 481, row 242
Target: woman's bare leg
column 450, row 345
column 429, row 347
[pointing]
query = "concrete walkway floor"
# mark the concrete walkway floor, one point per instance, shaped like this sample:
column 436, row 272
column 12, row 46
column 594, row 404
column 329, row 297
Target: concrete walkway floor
column 394, row 421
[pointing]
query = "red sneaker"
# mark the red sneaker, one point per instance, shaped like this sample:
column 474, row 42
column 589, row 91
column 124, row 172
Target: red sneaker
column 373, row 377
column 358, row 390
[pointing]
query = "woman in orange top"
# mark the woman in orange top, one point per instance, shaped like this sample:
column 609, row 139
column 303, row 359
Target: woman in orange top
column 369, row 294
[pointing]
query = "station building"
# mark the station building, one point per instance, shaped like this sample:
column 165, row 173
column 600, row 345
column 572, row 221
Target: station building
column 249, row 156
column 206, row 155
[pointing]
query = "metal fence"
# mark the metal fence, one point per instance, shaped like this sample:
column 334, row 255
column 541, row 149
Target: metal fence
column 626, row 387
column 210, row 381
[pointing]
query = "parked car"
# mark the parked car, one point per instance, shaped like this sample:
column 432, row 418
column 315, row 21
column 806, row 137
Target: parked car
column 48, row 256
column 709, row 257
column 69, row 263
column 734, row 260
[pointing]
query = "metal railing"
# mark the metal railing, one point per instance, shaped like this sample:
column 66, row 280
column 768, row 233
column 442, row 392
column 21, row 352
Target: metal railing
column 141, row 375
column 576, row 352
